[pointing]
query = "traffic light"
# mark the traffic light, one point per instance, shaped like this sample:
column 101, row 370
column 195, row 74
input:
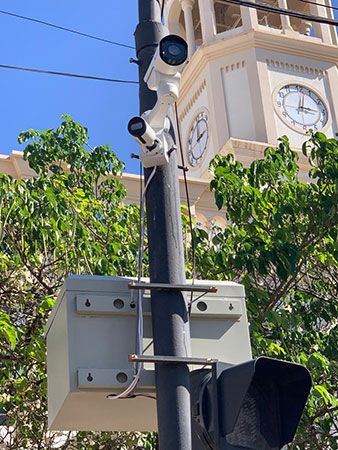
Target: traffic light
column 255, row 405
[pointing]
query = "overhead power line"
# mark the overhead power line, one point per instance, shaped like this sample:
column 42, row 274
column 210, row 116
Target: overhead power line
column 65, row 74
column 162, row 9
column 318, row 4
column 282, row 11
column 69, row 30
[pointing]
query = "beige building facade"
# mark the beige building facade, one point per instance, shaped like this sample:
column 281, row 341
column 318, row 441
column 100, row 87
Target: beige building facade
column 252, row 76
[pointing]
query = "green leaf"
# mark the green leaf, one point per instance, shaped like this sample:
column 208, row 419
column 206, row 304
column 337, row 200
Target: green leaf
column 219, row 201
column 7, row 330
column 321, row 392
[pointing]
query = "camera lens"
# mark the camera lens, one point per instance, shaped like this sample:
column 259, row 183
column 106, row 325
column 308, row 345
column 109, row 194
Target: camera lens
column 136, row 126
column 173, row 50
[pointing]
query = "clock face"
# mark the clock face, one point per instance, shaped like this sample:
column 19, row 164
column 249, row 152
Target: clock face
column 301, row 107
column 198, row 139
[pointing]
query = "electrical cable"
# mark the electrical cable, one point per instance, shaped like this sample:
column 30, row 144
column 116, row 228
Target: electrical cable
column 188, row 200
column 148, row 346
column 318, row 4
column 162, row 9
column 193, row 301
column 143, row 395
column 69, row 30
column 139, row 333
column 65, row 74
column 197, row 298
column 282, row 11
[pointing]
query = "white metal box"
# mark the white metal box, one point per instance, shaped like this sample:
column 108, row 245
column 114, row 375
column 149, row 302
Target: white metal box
column 92, row 330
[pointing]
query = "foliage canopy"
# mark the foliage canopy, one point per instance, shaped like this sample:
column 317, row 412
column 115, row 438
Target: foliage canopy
column 281, row 242
column 69, row 218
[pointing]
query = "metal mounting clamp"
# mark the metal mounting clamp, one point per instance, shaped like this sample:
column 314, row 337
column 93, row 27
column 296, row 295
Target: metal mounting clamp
column 172, row 287
column 172, row 360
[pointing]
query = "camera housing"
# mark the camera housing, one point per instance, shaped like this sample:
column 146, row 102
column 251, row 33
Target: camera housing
column 141, row 131
column 154, row 147
column 168, row 61
column 163, row 75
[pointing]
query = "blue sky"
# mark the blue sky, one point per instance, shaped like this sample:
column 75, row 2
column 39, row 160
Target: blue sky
column 30, row 100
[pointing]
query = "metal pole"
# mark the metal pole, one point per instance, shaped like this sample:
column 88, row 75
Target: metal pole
column 170, row 320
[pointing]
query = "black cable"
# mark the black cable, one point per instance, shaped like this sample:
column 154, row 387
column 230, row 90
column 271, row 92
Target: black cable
column 148, row 346
column 162, row 9
column 197, row 298
column 188, row 199
column 65, row 74
column 302, row 1
column 144, row 395
column 282, row 11
column 193, row 301
column 318, row 4
column 42, row 22
column 132, row 396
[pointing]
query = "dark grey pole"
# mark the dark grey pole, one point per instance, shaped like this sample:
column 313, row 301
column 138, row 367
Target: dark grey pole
column 170, row 318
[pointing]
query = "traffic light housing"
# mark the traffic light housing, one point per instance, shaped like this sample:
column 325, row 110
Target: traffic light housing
column 255, row 405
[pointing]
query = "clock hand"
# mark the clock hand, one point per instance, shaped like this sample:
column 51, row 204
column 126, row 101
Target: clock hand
column 301, row 101
column 305, row 108
column 293, row 106
column 309, row 110
column 200, row 136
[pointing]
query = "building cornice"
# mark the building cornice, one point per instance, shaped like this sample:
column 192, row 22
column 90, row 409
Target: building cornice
column 201, row 198
column 293, row 44
column 17, row 167
column 255, row 150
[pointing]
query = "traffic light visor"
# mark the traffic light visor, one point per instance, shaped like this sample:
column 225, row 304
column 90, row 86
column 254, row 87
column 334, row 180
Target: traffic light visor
column 267, row 398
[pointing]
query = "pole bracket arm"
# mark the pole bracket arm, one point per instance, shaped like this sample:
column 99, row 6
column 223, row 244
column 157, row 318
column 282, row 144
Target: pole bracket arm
column 172, row 360
column 172, row 287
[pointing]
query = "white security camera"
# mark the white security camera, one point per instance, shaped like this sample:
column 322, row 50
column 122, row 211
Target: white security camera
column 142, row 131
column 168, row 61
column 163, row 76
column 153, row 146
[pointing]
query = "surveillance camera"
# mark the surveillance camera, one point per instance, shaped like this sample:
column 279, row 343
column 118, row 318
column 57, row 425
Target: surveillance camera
column 168, row 61
column 163, row 76
column 142, row 131
column 154, row 146
column 171, row 54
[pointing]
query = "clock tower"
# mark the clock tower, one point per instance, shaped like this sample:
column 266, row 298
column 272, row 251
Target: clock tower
column 252, row 77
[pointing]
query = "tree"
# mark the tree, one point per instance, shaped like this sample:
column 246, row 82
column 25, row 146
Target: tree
column 281, row 243
column 69, row 218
